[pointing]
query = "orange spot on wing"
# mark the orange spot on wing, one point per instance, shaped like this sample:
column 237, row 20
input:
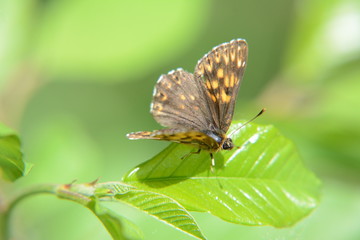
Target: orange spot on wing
column 208, row 84
column 213, row 98
column 224, row 97
column 226, row 81
column 220, row 73
column 215, row 84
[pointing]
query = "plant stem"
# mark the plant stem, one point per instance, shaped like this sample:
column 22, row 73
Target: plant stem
column 6, row 212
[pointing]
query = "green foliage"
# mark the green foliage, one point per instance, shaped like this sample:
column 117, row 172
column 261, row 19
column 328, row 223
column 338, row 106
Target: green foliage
column 76, row 76
column 12, row 166
column 86, row 195
column 92, row 196
column 263, row 182
column 118, row 226
column 109, row 47
column 157, row 205
column 321, row 71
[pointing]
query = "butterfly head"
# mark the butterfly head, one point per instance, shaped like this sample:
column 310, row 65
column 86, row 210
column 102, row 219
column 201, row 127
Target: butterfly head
column 227, row 144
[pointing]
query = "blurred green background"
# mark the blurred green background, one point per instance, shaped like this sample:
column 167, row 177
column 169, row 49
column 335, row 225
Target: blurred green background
column 77, row 75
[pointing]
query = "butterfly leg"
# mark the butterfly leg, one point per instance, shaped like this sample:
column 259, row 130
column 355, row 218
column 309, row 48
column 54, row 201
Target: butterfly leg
column 212, row 162
column 190, row 153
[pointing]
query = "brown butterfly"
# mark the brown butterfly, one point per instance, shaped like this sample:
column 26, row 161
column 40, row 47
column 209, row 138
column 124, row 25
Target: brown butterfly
column 198, row 108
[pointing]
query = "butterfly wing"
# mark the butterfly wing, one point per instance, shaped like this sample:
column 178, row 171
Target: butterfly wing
column 222, row 70
column 180, row 101
column 195, row 138
column 198, row 108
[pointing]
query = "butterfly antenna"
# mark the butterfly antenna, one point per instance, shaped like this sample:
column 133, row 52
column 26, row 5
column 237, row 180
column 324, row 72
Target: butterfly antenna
column 237, row 129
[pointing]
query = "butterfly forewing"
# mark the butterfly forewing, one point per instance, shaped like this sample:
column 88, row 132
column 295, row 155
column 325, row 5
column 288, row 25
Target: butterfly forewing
column 179, row 101
column 222, row 70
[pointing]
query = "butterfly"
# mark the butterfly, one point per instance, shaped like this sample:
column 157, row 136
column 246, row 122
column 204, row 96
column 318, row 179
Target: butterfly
column 198, row 108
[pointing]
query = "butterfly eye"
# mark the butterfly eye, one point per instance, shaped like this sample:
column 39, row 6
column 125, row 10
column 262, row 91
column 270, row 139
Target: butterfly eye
column 228, row 144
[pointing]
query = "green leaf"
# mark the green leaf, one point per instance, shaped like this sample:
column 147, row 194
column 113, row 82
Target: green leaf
column 118, row 226
column 86, row 194
column 12, row 166
column 157, row 205
column 263, row 182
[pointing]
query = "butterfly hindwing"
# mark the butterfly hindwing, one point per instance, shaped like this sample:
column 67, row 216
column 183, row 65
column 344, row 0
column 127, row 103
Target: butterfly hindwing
column 195, row 138
column 222, row 70
column 179, row 101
